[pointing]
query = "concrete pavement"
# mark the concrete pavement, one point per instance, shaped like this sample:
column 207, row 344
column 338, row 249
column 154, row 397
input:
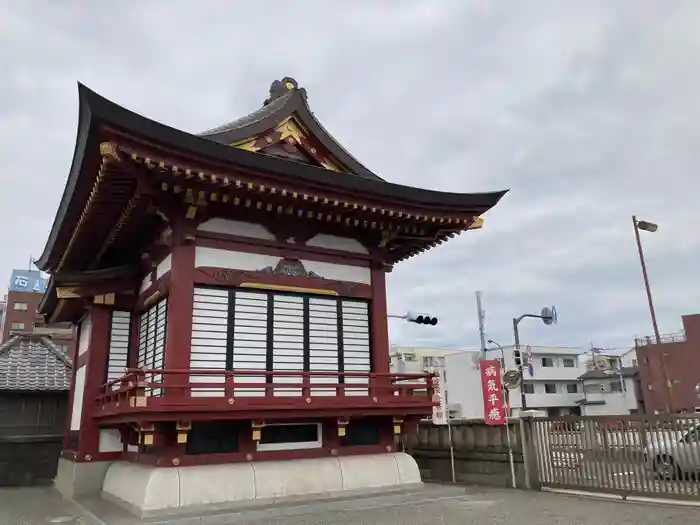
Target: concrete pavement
column 36, row 506
column 432, row 505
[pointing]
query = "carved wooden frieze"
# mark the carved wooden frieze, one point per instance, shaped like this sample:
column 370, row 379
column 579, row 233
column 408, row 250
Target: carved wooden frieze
column 291, row 267
column 288, row 273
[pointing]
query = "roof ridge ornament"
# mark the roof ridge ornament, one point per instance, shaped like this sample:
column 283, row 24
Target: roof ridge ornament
column 279, row 88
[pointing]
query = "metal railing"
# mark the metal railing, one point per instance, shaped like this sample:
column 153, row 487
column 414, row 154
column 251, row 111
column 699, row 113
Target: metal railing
column 242, row 389
column 677, row 337
column 655, row 456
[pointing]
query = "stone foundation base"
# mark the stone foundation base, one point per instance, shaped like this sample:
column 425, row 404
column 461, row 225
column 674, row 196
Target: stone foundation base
column 149, row 491
column 76, row 480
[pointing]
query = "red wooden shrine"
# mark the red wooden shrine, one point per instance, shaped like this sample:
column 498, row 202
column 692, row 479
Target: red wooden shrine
column 228, row 288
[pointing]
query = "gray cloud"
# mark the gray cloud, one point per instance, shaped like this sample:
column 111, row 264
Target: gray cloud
column 587, row 110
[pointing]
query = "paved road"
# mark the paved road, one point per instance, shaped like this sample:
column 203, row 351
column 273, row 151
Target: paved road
column 434, row 505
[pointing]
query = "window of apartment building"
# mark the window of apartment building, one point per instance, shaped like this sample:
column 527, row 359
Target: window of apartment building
column 616, row 386
column 18, row 326
column 634, row 362
column 528, row 388
column 20, row 306
column 569, row 362
column 409, row 357
column 550, row 388
column 593, row 388
column 572, row 388
column 547, row 362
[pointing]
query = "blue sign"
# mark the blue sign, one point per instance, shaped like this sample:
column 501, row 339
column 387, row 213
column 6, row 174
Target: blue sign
column 531, row 369
column 27, row 281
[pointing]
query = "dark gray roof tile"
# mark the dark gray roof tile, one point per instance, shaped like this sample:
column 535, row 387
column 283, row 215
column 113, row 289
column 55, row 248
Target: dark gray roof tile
column 33, row 362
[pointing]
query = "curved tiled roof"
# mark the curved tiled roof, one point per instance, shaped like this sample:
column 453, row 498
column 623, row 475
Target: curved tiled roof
column 32, row 362
column 287, row 99
column 98, row 113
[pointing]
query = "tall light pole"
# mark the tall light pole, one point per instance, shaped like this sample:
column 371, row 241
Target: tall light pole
column 651, row 228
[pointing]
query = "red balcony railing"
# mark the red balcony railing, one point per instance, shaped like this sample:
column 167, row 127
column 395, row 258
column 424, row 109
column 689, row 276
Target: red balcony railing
column 247, row 391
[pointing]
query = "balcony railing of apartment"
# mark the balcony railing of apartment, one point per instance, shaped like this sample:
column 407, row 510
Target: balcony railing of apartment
column 244, row 392
column 677, row 337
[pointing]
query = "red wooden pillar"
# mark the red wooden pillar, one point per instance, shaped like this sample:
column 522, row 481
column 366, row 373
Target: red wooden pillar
column 180, row 296
column 95, row 363
column 379, row 322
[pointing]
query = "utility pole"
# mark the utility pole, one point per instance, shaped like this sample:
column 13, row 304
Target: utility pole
column 482, row 316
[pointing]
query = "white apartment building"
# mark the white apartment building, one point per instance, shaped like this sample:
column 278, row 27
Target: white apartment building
column 554, row 385
column 410, row 360
column 610, row 392
column 611, row 385
column 461, row 375
column 604, row 359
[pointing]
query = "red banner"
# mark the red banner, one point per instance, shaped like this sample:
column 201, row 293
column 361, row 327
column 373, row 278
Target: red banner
column 492, row 390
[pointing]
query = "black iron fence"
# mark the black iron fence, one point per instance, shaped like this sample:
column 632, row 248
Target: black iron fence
column 655, row 456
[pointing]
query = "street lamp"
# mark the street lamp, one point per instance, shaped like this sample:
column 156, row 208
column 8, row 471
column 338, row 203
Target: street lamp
column 651, row 228
column 548, row 317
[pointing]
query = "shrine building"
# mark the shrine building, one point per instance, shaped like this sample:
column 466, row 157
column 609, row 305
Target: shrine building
column 228, row 292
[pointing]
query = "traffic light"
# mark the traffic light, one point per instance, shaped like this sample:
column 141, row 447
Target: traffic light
column 421, row 319
column 517, row 358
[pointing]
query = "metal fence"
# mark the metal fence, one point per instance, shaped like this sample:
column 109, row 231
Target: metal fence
column 656, row 456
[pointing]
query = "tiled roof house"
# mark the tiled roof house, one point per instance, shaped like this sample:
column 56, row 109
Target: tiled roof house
column 31, row 362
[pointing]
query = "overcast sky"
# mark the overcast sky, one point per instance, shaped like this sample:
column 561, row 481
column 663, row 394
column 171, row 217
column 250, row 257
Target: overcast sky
column 589, row 111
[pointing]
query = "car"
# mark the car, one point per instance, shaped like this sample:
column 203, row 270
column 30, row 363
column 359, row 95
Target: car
column 673, row 454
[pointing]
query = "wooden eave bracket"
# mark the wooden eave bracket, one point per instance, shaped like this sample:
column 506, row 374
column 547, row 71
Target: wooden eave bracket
column 239, row 190
column 94, row 289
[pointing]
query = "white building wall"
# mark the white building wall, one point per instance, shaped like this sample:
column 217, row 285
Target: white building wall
column 614, row 402
column 463, row 385
column 558, row 377
column 462, row 378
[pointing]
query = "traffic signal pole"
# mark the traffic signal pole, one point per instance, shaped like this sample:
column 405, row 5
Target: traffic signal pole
column 519, row 361
column 548, row 317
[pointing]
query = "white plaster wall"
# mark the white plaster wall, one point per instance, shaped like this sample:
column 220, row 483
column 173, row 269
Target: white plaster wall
column 339, row 272
column 164, row 266
column 110, row 440
column 233, row 260
column 77, row 408
column 145, row 283
column 84, row 337
column 216, row 257
column 244, row 229
column 334, row 242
